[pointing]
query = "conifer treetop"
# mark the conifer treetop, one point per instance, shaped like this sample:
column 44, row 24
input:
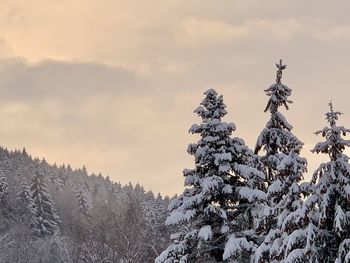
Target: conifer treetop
column 332, row 116
column 278, row 92
column 212, row 106
column 280, row 67
column 334, row 144
column 276, row 136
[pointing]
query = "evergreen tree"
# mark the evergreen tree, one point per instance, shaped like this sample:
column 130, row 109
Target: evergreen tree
column 83, row 203
column 215, row 190
column 283, row 168
column 324, row 220
column 47, row 219
column 25, row 206
column 6, row 210
column 3, row 190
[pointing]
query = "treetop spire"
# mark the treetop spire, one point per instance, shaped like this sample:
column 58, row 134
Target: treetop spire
column 278, row 92
column 334, row 144
column 330, row 104
column 280, row 67
column 332, row 116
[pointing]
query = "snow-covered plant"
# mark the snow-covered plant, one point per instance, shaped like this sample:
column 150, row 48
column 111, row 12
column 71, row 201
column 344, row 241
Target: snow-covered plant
column 3, row 190
column 25, row 206
column 46, row 216
column 284, row 169
column 84, row 203
column 324, row 219
column 216, row 192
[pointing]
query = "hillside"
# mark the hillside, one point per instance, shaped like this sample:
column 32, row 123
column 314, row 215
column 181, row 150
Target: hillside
column 93, row 219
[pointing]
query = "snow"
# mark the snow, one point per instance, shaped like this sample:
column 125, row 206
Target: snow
column 224, row 229
column 235, row 246
column 227, row 189
column 247, row 171
column 295, row 256
column 297, row 236
column 224, row 168
column 219, row 157
column 194, row 128
column 223, row 126
column 283, row 120
column 210, row 183
column 276, row 245
column 340, row 219
column 275, row 187
column 175, row 218
column 251, row 195
column 347, row 190
column 205, row 233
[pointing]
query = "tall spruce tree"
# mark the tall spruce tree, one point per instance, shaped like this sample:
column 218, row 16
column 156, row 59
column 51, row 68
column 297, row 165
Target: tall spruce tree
column 324, row 220
column 216, row 190
column 25, row 206
column 6, row 211
column 46, row 217
column 283, row 168
column 84, row 204
column 3, row 190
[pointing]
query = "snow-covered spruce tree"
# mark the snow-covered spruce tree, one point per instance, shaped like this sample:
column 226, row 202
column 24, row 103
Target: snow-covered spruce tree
column 46, row 217
column 3, row 190
column 216, row 192
column 284, row 169
column 6, row 210
column 324, row 220
column 25, row 207
column 84, row 204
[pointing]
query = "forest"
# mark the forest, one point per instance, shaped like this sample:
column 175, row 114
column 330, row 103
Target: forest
column 53, row 213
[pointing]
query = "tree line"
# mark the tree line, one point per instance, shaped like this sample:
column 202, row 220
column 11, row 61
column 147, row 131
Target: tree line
column 54, row 214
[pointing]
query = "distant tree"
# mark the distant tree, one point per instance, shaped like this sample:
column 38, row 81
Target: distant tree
column 25, row 206
column 132, row 230
column 6, row 209
column 84, row 204
column 47, row 219
column 3, row 190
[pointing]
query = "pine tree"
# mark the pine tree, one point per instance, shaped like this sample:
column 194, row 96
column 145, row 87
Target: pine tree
column 47, row 219
column 3, row 190
column 215, row 189
column 6, row 215
column 83, row 203
column 283, row 168
column 25, row 206
column 324, row 220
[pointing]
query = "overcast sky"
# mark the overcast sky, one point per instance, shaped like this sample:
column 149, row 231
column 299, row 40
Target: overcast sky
column 113, row 84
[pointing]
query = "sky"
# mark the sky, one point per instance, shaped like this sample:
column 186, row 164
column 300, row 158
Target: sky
column 112, row 84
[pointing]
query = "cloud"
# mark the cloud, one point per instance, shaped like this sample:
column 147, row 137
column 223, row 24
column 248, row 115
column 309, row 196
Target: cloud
column 58, row 79
column 282, row 29
column 333, row 33
column 5, row 49
column 201, row 32
column 108, row 118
